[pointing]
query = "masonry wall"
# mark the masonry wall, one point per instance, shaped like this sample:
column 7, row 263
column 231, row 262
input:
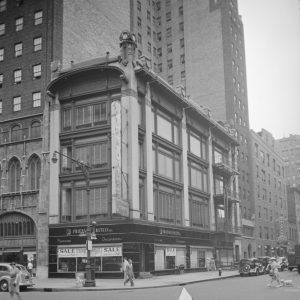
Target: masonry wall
column 91, row 28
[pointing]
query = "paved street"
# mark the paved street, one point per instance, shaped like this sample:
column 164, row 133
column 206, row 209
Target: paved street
column 245, row 288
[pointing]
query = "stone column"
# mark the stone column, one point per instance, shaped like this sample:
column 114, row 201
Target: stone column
column 211, row 184
column 148, row 152
column 54, row 192
column 130, row 145
column 119, row 201
column 185, row 172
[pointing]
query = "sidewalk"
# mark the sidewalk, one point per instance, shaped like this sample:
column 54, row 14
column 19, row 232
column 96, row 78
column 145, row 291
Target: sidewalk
column 67, row 284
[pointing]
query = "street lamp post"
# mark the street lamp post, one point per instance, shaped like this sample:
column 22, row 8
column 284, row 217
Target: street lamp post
column 85, row 169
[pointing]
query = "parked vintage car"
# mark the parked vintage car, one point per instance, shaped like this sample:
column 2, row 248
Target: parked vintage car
column 264, row 261
column 251, row 266
column 25, row 280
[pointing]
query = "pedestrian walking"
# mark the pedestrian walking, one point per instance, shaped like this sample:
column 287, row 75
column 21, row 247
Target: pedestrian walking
column 14, row 282
column 125, row 264
column 213, row 264
column 129, row 273
column 207, row 264
column 30, row 268
column 273, row 272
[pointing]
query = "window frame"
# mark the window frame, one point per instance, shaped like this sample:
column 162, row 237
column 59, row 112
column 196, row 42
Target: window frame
column 19, row 24
column 17, row 103
column 37, row 18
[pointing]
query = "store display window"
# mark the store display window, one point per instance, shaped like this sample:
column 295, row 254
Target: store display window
column 103, row 259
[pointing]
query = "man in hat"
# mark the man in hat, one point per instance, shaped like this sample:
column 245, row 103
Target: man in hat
column 14, row 283
column 274, row 273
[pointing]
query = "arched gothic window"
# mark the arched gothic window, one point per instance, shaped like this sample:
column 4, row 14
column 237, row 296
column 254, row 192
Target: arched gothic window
column 15, row 133
column 14, row 173
column 35, row 129
column 34, row 167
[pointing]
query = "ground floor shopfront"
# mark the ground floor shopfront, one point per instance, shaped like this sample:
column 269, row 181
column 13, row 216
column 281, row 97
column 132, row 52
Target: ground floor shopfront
column 155, row 249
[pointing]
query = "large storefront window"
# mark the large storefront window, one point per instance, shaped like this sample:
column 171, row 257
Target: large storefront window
column 197, row 257
column 169, row 257
column 103, row 259
column 167, row 204
column 199, row 212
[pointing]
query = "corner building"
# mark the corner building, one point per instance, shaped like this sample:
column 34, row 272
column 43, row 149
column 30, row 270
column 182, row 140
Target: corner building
column 161, row 179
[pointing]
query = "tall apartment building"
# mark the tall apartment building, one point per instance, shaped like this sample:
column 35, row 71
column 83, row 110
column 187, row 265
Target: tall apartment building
column 269, row 188
column 289, row 149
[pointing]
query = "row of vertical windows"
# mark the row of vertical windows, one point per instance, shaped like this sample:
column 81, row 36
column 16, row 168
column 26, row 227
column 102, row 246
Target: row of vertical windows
column 14, row 174
column 199, row 211
column 19, row 22
column 16, row 133
column 18, row 48
column 17, row 228
column 17, row 102
column 17, row 74
column 95, row 154
column 87, row 115
column 167, row 204
column 73, row 203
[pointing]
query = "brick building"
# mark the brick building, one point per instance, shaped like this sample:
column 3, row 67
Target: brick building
column 269, row 188
column 289, row 149
column 32, row 35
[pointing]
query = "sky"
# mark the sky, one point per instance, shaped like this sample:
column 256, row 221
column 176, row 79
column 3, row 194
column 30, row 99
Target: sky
column 272, row 45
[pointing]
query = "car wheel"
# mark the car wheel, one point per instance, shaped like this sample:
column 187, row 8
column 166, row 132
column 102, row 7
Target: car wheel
column 290, row 269
column 4, row 285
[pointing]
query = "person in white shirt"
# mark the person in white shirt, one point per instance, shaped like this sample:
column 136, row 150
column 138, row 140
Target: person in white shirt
column 125, row 264
column 30, row 268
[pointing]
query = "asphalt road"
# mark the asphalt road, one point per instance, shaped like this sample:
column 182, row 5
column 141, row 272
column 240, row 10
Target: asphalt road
column 245, row 288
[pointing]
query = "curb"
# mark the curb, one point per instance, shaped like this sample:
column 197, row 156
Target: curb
column 80, row 289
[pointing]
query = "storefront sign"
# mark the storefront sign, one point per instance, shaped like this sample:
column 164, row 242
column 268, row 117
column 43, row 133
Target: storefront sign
column 170, row 251
column 82, row 230
column 89, row 245
column 111, row 251
column 95, row 251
